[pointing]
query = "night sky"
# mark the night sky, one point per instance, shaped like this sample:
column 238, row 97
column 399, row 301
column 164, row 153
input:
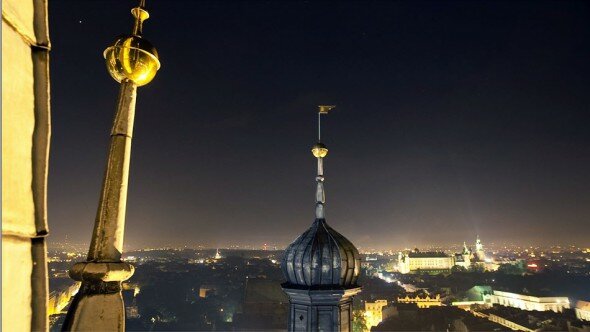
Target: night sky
column 454, row 119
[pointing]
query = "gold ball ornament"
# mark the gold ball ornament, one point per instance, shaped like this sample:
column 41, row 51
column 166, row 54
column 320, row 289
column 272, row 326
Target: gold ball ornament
column 319, row 150
column 132, row 57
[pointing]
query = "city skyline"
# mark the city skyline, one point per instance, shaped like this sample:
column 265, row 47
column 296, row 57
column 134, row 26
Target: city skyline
column 426, row 246
column 449, row 125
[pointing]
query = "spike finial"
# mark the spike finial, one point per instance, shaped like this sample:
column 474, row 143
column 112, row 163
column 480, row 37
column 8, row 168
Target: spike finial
column 140, row 15
column 320, row 151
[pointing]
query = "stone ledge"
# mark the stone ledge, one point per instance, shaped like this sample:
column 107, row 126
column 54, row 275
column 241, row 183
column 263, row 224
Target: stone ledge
column 101, row 271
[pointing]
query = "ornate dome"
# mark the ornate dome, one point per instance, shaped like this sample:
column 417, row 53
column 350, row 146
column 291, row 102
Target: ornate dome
column 321, row 257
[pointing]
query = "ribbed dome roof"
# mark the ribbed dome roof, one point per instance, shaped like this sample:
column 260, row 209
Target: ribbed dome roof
column 321, row 257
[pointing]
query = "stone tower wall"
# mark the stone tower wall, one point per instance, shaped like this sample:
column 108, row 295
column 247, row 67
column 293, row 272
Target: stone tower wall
column 25, row 147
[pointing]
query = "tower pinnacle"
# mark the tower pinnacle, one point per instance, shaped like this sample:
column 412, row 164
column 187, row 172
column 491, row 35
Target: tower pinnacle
column 321, row 267
column 320, row 151
column 132, row 61
column 132, row 57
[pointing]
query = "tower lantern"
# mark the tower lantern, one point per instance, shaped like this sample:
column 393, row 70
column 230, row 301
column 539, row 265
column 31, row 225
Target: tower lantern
column 132, row 61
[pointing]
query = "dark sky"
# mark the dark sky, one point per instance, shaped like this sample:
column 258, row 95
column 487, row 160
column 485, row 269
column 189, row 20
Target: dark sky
column 454, row 119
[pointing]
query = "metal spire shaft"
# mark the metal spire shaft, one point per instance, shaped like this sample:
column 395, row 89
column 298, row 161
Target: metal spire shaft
column 320, row 194
column 320, row 151
column 319, row 126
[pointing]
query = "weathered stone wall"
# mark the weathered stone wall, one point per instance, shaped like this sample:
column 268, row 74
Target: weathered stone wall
column 25, row 146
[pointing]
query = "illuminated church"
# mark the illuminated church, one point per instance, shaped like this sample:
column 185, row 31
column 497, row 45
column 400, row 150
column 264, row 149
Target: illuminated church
column 437, row 262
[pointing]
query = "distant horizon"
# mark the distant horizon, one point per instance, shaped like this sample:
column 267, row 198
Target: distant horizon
column 52, row 245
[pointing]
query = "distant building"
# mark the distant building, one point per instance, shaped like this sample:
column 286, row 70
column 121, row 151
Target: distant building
column 440, row 318
column 422, row 302
column 583, row 310
column 65, row 288
column 522, row 320
column 484, row 295
column 374, row 313
column 476, row 295
column 509, row 323
column 437, row 262
column 207, row 290
column 480, row 254
column 530, row 302
column 474, row 323
column 130, row 301
column 463, row 258
column 417, row 261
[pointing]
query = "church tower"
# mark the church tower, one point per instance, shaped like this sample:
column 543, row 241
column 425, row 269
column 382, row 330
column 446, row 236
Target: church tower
column 481, row 255
column 466, row 255
column 321, row 267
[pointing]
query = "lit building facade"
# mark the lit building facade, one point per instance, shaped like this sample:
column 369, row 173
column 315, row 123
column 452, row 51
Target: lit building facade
column 374, row 313
column 422, row 302
column 437, row 262
column 416, row 261
column 207, row 290
column 464, row 258
column 217, row 255
column 529, row 302
column 480, row 254
column 59, row 299
column 508, row 323
column 583, row 310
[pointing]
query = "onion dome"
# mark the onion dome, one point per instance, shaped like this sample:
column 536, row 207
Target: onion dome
column 321, row 257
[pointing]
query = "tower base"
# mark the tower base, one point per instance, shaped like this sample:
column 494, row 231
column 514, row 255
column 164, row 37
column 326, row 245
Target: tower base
column 320, row 309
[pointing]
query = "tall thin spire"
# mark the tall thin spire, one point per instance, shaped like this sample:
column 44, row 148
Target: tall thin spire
column 132, row 61
column 320, row 151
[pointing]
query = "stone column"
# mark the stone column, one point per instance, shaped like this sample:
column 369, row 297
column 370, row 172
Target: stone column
column 99, row 304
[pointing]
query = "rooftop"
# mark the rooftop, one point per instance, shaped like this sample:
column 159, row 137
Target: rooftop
column 427, row 254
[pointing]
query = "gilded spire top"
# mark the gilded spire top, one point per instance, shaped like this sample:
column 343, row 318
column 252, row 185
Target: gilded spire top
column 320, row 151
column 140, row 15
column 132, row 57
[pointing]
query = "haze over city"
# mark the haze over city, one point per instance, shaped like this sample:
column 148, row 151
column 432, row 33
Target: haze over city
column 352, row 166
column 452, row 121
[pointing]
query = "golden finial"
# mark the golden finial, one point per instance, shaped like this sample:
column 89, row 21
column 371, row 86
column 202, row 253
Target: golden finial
column 132, row 57
column 140, row 15
column 319, row 150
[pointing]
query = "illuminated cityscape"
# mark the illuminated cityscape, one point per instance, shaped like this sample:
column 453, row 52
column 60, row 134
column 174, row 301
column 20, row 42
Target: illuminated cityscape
column 194, row 288
column 454, row 197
